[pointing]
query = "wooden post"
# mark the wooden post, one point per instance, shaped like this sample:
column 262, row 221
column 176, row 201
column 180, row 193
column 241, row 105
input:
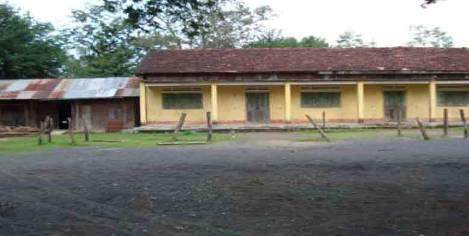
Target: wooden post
column 399, row 123
column 209, row 126
column 85, row 130
column 49, row 126
column 445, row 122
column 422, row 130
column 464, row 123
column 70, row 130
column 41, row 131
column 179, row 125
column 323, row 120
column 323, row 134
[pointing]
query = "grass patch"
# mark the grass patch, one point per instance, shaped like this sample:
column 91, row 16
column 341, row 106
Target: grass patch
column 111, row 140
column 368, row 134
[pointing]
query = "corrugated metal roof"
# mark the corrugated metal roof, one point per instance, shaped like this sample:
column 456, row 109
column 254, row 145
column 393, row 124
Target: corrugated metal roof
column 68, row 89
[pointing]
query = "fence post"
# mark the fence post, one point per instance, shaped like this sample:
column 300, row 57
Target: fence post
column 85, row 130
column 445, row 122
column 209, row 126
column 464, row 123
column 179, row 125
column 70, row 130
column 48, row 128
column 399, row 123
column 41, row 130
column 422, row 130
column 323, row 134
column 323, row 120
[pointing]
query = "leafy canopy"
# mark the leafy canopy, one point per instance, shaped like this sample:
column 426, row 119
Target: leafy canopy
column 28, row 49
column 273, row 39
column 150, row 15
column 102, row 43
column 111, row 38
column 430, row 37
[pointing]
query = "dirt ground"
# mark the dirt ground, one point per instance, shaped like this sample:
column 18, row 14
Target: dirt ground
column 261, row 184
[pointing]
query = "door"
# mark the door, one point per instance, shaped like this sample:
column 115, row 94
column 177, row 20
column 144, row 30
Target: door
column 394, row 103
column 257, row 106
column 65, row 111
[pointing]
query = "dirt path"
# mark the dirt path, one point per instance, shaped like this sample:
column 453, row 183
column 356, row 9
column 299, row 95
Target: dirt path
column 262, row 184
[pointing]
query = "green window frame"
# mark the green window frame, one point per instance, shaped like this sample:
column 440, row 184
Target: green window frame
column 173, row 101
column 453, row 98
column 320, row 99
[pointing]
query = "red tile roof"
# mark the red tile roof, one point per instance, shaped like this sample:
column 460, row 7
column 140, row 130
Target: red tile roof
column 359, row 60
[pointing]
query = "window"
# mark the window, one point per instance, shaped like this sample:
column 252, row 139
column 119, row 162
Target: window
column 320, row 99
column 453, row 98
column 182, row 100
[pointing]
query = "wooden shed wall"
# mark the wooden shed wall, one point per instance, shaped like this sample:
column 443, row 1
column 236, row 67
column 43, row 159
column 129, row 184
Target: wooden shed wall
column 105, row 115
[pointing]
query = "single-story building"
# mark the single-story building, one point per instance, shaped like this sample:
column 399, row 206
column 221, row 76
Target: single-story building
column 366, row 85
column 106, row 104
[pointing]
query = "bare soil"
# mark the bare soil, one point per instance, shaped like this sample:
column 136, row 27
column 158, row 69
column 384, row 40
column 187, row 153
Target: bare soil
column 263, row 184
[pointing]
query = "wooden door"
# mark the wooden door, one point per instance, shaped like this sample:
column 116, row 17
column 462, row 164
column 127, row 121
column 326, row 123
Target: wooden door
column 257, row 106
column 394, row 102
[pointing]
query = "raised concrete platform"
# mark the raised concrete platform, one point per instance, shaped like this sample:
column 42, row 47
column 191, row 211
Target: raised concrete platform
column 247, row 127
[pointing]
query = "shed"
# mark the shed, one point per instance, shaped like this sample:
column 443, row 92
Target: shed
column 105, row 104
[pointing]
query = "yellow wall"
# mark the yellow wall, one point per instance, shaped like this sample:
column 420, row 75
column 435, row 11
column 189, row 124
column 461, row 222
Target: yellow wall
column 347, row 110
column 453, row 113
column 374, row 105
column 232, row 105
column 156, row 113
column 418, row 101
column 277, row 103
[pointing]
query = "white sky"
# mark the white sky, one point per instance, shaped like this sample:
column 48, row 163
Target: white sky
column 386, row 22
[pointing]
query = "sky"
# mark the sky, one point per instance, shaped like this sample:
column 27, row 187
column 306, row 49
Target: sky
column 386, row 22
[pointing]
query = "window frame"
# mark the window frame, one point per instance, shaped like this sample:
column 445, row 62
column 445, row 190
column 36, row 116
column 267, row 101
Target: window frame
column 442, row 102
column 198, row 106
column 337, row 104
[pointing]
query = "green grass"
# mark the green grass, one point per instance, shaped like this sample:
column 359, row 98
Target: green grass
column 111, row 140
column 368, row 134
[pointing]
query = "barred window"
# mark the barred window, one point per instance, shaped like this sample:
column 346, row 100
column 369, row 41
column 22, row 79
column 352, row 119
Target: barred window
column 453, row 98
column 182, row 101
column 320, row 99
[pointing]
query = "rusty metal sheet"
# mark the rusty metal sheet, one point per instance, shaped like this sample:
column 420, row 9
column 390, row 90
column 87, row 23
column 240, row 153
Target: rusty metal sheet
column 28, row 89
column 69, row 89
column 97, row 88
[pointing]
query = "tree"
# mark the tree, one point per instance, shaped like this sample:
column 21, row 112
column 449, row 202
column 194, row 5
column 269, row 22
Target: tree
column 430, row 37
column 107, row 42
column 103, row 44
column 231, row 24
column 273, row 39
column 350, row 40
column 28, row 49
column 190, row 16
column 314, row 42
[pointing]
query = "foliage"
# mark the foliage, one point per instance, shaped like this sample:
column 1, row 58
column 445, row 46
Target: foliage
column 350, row 40
column 273, row 39
column 231, row 24
column 103, row 44
column 110, row 39
column 152, row 15
column 28, row 49
column 430, row 37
